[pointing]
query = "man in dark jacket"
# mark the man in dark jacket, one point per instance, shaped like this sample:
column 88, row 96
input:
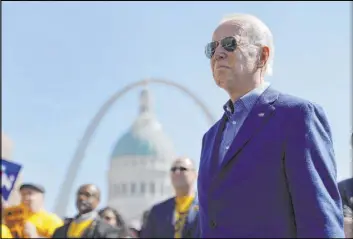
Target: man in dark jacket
column 346, row 190
column 87, row 224
column 176, row 217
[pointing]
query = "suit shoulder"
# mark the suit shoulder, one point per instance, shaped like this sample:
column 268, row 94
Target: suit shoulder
column 297, row 107
column 212, row 129
column 346, row 183
column 162, row 205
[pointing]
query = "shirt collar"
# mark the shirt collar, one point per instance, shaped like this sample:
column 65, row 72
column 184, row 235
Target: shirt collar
column 86, row 216
column 246, row 102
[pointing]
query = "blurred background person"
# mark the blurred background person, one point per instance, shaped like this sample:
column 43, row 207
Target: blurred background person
column 182, row 209
column 87, row 224
column 144, row 219
column 38, row 222
column 346, row 190
column 113, row 217
column 135, row 228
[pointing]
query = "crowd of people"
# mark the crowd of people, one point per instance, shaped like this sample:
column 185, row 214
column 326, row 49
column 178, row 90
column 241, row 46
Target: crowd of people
column 31, row 220
column 267, row 167
column 176, row 217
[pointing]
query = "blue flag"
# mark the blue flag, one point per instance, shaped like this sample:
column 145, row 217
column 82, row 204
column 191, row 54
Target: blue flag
column 9, row 174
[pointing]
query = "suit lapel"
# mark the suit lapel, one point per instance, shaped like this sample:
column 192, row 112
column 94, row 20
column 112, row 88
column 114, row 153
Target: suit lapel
column 66, row 229
column 190, row 217
column 257, row 118
column 170, row 210
column 214, row 164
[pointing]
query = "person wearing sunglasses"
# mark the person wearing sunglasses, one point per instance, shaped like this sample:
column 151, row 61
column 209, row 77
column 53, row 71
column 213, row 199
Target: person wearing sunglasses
column 267, row 167
column 176, row 217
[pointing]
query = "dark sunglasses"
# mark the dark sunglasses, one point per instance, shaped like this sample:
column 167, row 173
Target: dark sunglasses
column 181, row 169
column 229, row 44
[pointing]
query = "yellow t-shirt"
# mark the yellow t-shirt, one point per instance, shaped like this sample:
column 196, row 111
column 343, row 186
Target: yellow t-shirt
column 45, row 222
column 181, row 211
column 5, row 232
column 77, row 228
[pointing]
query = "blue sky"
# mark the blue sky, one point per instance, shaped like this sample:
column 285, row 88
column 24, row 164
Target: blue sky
column 62, row 60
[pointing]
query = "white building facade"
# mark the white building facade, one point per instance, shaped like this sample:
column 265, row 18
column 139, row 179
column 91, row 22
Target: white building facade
column 139, row 171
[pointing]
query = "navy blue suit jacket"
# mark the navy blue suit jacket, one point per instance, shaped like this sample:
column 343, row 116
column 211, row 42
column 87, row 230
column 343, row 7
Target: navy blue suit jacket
column 160, row 221
column 278, row 178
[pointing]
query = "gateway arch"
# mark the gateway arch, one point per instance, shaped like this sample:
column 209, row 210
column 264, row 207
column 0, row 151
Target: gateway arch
column 65, row 189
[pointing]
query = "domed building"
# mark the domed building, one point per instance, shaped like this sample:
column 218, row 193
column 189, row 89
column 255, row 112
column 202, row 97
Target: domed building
column 140, row 163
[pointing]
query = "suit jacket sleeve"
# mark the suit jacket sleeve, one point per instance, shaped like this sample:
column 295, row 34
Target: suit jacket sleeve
column 148, row 231
column 311, row 174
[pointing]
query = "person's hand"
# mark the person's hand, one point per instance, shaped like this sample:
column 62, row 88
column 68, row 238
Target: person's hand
column 30, row 230
column 348, row 227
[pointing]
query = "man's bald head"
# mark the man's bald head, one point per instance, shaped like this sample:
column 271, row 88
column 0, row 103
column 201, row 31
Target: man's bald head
column 88, row 198
column 91, row 187
column 184, row 161
column 183, row 174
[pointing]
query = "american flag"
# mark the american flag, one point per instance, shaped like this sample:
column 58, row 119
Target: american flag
column 9, row 174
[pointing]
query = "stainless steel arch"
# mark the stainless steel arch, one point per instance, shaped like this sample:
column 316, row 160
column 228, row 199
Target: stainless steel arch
column 63, row 197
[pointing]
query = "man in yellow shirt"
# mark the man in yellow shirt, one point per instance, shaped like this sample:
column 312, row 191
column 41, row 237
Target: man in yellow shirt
column 87, row 224
column 182, row 209
column 38, row 222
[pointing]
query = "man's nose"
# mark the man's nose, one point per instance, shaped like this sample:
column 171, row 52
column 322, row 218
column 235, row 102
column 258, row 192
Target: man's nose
column 220, row 54
column 177, row 171
column 82, row 197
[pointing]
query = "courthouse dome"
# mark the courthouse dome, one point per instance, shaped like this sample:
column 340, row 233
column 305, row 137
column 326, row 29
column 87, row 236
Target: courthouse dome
column 145, row 137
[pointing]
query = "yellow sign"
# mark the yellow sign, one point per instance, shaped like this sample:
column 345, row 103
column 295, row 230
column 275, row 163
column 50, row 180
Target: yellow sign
column 15, row 218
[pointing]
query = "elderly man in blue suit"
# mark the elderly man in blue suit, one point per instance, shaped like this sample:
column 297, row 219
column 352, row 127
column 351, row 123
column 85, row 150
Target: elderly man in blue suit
column 176, row 217
column 267, row 166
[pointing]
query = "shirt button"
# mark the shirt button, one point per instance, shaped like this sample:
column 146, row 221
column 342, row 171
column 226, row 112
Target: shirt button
column 234, row 122
column 213, row 224
column 227, row 147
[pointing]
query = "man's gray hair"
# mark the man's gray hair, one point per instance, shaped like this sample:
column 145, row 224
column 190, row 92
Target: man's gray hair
column 256, row 33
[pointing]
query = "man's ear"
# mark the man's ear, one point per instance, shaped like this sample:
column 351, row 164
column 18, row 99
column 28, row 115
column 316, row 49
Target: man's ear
column 264, row 55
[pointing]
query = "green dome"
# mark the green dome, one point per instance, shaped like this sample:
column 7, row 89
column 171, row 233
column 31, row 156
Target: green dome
column 145, row 137
column 130, row 144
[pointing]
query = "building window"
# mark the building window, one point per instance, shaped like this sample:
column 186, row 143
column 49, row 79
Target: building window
column 117, row 189
column 133, row 188
column 162, row 189
column 123, row 188
column 143, row 188
column 152, row 188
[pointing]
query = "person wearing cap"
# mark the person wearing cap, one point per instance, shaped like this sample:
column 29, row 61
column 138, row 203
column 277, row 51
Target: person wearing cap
column 39, row 223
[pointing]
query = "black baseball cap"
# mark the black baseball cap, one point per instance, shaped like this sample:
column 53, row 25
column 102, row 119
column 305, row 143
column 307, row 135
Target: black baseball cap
column 33, row 186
